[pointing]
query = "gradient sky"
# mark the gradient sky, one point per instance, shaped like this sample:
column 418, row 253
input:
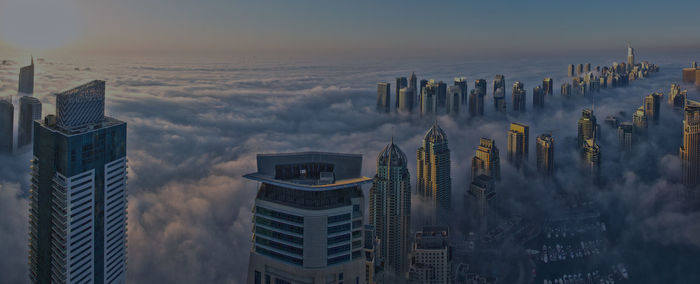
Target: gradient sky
column 361, row 26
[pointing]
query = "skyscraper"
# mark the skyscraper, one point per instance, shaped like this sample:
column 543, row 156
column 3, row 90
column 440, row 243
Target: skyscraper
column 26, row 79
column 462, row 83
column 519, row 97
column 406, row 97
column 481, row 191
column 431, row 256
column 441, row 94
column 383, row 97
column 480, row 86
column 390, row 208
column 7, row 122
column 499, row 93
column 476, row 103
column 538, row 97
column 640, row 122
column 487, row 160
column 548, row 86
column 373, row 261
column 78, row 195
column 434, row 181
column 454, row 95
column 518, row 137
column 625, row 136
column 579, row 69
column 308, row 218
column 29, row 111
column 690, row 150
column 651, row 106
column 566, row 90
column 428, row 99
column 413, row 82
column 676, row 97
column 587, row 127
column 630, row 56
column 587, row 68
column 591, row 157
column 401, row 82
column 545, row 154
column 571, row 72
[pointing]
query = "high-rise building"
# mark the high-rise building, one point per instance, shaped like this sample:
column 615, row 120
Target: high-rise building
column 518, row 145
column 428, row 99
column 499, row 81
column 374, row 270
column 77, row 215
column 480, row 86
column 454, row 95
column 571, row 72
column 587, row 68
column 579, row 69
column 308, row 220
column 538, row 97
column 476, row 103
column 481, row 191
column 690, row 150
column 462, row 83
column 487, row 160
column 566, row 90
column 29, row 111
column 545, row 154
column 591, row 157
column 434, row 181
column 383, row 97
column 499, row 93
column 26, row 79
column 431, row 256
column 625, row 136
column 390, row 208
column 548, row 86
column 611, row 121
column 630, row 56
column 401, row 82
column 441, row 98
column 519, row 97
column 406, row 97
column 651, row 106
column 640, row 122
column 676, row 97
column 413, row 82
column 7, row 122
column 587, row 127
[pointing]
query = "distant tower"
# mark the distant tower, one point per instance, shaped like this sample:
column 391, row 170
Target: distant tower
column 579, row 69
column 499, row 93
column 406, row 97
column 441, row 98
column 538, row 97
column 476, row 103
column 390, row 208
column 571, row 71
column 639, row 119
column 591, row 156
column 463, row 86
column 29, row 111
column 431, row 256
column 545, row 154
column 383, row 97
column 519, row 97
column 481, row 191
column 548, row 86
column 587, row 127
column 413, row 81
column 518, row 145
column 690, row 150
column 630, row 56
column 566, row 90
column 434, row 181
column 487, row 160
column 480, row 86
column 625, row 136
column 587, row 68
column 7, row 122
column 401, row 82
column 454, row 95
column 26, row 79
column 677, row 97
column 428, row 98
column 651, row 106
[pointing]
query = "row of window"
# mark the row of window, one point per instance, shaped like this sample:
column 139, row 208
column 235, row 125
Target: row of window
column 279, row 225
column 279, row 246
column 278, row 235
column 279, row 215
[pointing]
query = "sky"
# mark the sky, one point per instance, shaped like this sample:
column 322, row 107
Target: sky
column 361, row 27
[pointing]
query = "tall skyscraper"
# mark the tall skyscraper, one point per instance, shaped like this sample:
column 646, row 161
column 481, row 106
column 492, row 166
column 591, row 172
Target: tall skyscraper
column 480, row 86
column 538, row 97
column 545, row 154
column 519, row 97
column 462, row 83
column 308, row 219
column 571, row 72
column 651, row 106
column 441, row 98
column 630, row 56
column 373, row 262
column 548, row 86
column 428, row 99
column 454, row 95
column 591, row 157
column 78, row 194
column 640, row 121
column 413, row 82
column 7, row 122
column 487, row 160
column 434, row 181
column 406, row 97
column 383, row 97
column 579, row 69
column 676, row 97
column 476, row 103
column 690, row 150
column 625, row 136
column 587, row 68
column 587, row 127
column 566, row 90
column 401, row 82
column 390, row 208
column 29, row 111
column 499, row 93
column 518, row 145
column 431, row 256
column 26, row 79
column 481, row 191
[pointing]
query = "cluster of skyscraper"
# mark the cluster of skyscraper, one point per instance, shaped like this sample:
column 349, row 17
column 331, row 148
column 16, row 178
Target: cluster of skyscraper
column 18, row 113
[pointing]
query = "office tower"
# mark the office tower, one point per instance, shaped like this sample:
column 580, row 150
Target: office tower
column 401, row 82
column 441, row 93
column 423, row 83
column 383, row 97
column 499, row 81
column 591, row 157
column 29, row 111
column 428, row 99
column 481, row 191
column 26, row 79
column 7, row 122
column 587, row 127
column 675, row 91
column 519, row 97
column 413, row 82
column 651, row 106
column 499, row 93
column 431, row 256
column 538, row 97
column 78, row 194
column 308, row 218
column 587, row 68
column 434, row 181
column 406, row 97
column 463, row 86
column 373, row 262
column 454, row 94
column 571, row 72
column 566, row 90
column 640, row 121
column 579, row 69
column 518, row 137
column 624, row 136
column 476, row 103
column 390, row 208
column 677, row 97
column 545, row 154
column 690, row 150
column 548, row 86
column 487, row 160
column 480, row 86
column 611, row 121
column 630, row 56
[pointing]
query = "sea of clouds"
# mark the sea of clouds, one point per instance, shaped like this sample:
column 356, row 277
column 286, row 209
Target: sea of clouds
column 195, row 126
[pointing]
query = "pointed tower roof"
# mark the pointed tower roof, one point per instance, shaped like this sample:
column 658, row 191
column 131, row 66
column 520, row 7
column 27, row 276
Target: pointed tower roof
column 392, row 155
column 435, row 134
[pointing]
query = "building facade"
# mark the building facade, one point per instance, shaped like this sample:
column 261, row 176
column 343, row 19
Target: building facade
column 545, row 154
column 690, row 150
column 518, row 145
column 519, row 97
column 487, row 160
column 7, row 125
column 652, row 103
column 587, row 127
column 431, row 256
column 29, row 111
column 434, row 181
column 383, row 97
column 26, row 79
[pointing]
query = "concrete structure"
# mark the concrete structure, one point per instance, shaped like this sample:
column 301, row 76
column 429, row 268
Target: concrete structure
column 487, row 160
column 390, row 209
column 434, row 181
column 77, row 215
column 518, row 145
column 308, row 220
column 587, row 127
column 7, row 125
column 431, row 256
column 383, row 97
column 519, row 97
column 29, row 111
column 545, row 154
column 690, row 150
